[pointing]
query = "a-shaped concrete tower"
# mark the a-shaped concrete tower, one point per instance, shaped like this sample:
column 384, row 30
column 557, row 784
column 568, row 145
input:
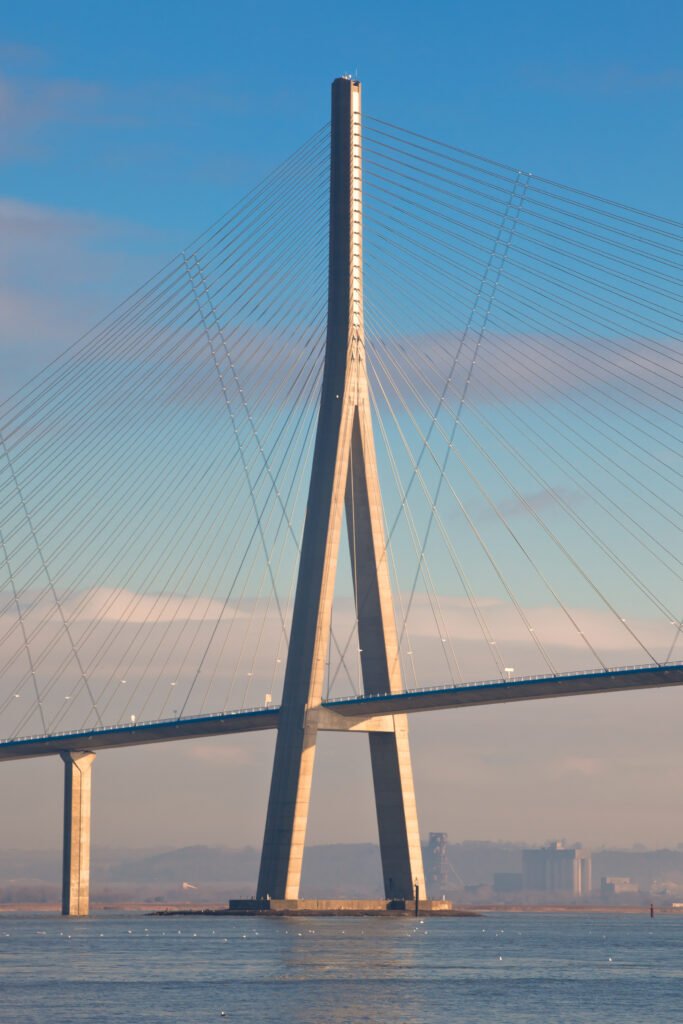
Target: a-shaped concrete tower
column 344, row 475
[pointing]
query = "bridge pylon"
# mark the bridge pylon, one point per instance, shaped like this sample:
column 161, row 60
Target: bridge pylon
column 343, row 476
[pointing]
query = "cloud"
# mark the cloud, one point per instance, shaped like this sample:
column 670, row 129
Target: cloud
column 33, row 103
column 513, row 366
column 155, row 655
column 104, row 604
column 551, row 624
column 539, row 501
column 29, row 105
column 588, row 767
column 27, row 221
column 58, row 271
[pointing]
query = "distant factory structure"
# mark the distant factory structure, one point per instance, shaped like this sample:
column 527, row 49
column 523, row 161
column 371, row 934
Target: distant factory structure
column 440, row 874
column 554, row 868
column 611, row 886
column 483, row 873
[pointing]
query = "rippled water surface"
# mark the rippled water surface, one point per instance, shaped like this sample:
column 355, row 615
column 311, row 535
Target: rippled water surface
column 514, row 968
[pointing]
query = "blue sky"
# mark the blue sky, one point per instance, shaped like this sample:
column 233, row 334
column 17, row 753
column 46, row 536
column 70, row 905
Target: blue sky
column 161, row 113
column 125, row 129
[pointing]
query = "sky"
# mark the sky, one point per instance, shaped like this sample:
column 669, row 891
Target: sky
column 125, row 130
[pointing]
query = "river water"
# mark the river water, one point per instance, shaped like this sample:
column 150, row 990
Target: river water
column 507, row 968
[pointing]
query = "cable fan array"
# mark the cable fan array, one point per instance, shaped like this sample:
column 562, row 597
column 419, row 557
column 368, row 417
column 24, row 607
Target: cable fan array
column 524, row 356
column 525, row 361
column 153, row 479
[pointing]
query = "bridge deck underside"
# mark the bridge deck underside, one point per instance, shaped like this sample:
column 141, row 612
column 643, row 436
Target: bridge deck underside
column 434, row 699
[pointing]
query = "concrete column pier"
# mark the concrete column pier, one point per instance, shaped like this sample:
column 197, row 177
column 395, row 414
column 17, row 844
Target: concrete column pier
column 76, row 863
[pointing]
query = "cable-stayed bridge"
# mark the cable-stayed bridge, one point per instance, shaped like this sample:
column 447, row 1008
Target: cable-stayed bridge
column 471, row 372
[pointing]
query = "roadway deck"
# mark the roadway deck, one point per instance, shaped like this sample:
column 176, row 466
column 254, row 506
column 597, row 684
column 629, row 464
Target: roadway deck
column 409, row 702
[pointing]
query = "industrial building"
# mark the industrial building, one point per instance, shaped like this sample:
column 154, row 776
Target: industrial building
column 611, row 886
column 555, row 868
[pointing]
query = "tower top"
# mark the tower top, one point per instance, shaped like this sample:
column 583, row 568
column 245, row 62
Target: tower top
column 346, row 82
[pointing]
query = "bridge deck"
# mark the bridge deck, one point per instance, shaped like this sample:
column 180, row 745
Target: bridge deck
column 432, row 699
column 505, row 691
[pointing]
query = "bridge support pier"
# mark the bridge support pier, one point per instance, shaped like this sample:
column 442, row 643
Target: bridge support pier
column 76, row 855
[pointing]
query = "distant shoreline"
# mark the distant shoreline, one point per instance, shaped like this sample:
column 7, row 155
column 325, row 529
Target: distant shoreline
column 17, row 909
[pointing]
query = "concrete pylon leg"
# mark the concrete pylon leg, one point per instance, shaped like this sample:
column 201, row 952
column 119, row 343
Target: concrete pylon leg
column 76, row 862
column 399, row 835
column 290, row 785
column 392, row 773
